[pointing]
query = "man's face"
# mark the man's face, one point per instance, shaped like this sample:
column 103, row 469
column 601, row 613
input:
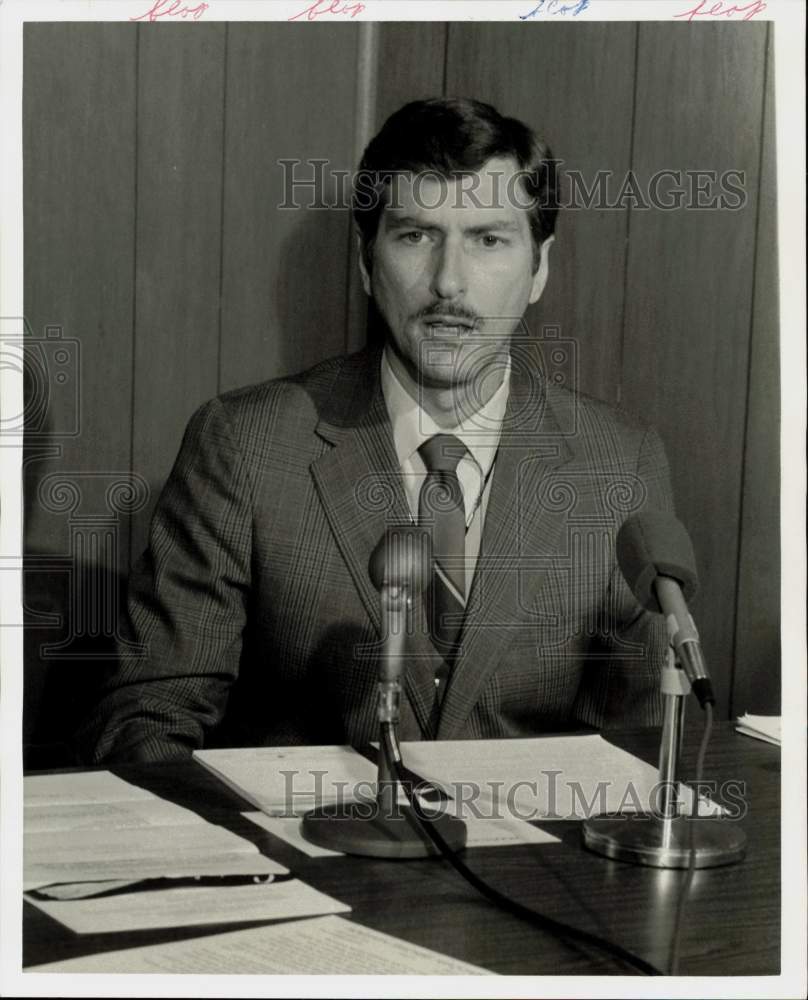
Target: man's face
column 452, row 272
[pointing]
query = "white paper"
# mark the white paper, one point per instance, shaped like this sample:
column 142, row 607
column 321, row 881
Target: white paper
column 761, row 727
column 41, row 818
column 480, row 832
column 80, row 786
column 313, row 776
column 548, row 778
column 89, row 855
column 146, row 843
column 324, row 945
column 504, row 832
column 190, row 907
column 255, row 773
column 287, row 828
column 485, row 826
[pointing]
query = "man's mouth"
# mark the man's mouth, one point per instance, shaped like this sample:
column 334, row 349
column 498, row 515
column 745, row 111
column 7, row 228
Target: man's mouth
column 450, row 326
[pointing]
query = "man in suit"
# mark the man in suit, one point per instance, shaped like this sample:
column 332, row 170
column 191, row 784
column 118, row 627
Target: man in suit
column 254, row 606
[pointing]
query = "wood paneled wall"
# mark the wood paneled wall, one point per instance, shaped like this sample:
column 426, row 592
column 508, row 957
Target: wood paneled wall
column 153, row 239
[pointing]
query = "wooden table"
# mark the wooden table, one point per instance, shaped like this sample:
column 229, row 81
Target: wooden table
column 732, row 916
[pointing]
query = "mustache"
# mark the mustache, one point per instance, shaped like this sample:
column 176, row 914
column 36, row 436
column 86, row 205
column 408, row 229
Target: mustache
column 445, row 309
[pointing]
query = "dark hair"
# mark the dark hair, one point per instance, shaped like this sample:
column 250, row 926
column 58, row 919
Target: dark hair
column 451, row 137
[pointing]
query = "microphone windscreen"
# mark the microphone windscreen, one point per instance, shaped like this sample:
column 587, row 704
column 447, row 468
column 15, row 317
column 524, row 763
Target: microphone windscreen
column 402, row 558
column 654, row 544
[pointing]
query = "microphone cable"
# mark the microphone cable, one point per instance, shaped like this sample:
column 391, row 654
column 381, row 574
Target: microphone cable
column 684, row 891
column 555, row 927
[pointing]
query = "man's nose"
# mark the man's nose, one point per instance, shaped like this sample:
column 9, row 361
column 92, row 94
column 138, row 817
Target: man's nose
column 449, row 274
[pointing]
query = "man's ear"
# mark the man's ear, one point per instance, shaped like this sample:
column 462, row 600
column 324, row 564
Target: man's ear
column 543, row 270
column 364, row 253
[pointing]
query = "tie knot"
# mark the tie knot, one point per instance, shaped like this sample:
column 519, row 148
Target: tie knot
column 442, row 452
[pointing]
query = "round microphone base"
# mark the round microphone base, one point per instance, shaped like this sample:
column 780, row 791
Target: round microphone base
column 363, row 828
column 665, row 843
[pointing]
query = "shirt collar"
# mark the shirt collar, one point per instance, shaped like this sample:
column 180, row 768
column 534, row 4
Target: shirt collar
column 479, row 431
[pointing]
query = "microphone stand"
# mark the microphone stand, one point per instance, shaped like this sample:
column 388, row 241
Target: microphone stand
column 384, row 828
column 667, row 838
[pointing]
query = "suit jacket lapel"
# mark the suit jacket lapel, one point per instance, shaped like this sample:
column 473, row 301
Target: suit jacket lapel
column 360, row 488
column 520, row 534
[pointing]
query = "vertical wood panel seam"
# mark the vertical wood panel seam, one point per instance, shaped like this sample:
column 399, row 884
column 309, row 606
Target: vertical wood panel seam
column 222, row 209
column 367, row 85
column 749, row 358
column 445, row 81
column 627, row 238
column 365, row 102
column 138, row 29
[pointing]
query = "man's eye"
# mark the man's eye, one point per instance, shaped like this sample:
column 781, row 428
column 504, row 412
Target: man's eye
column 489, row 240
column 413, row 236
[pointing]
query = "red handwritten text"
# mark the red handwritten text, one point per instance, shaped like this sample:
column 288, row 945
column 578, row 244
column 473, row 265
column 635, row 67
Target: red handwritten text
column 718, row 8
column 320, row 7
column 172, row 8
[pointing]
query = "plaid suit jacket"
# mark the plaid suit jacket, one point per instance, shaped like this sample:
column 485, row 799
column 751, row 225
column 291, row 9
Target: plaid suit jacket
column 259, row 623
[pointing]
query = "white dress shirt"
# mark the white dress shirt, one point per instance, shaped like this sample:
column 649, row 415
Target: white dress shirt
column 480, row 433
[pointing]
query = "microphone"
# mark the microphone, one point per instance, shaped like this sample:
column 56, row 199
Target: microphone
column 399, row 568
column 656, row 557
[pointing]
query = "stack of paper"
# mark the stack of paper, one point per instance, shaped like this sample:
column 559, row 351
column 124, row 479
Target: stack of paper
column 548, row 778
column 102, row 855
column 286, row 782
column 325, row 946
column 93, row 825
column 495, row 786
column 132, row 908
column 761, row 727
column 290, row 781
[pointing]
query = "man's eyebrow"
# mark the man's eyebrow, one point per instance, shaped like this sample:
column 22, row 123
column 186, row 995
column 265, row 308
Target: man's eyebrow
column 413, row 222
column 407, row 222
column 498, row 225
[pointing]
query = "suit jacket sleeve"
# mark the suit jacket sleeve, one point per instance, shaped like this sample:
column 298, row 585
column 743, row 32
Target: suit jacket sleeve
column 186, row 608
column 623, row 690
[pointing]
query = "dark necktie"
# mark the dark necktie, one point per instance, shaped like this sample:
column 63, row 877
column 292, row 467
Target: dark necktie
column 442, row 513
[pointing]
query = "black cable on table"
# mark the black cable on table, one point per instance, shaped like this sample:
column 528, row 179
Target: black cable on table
column 555, row 927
